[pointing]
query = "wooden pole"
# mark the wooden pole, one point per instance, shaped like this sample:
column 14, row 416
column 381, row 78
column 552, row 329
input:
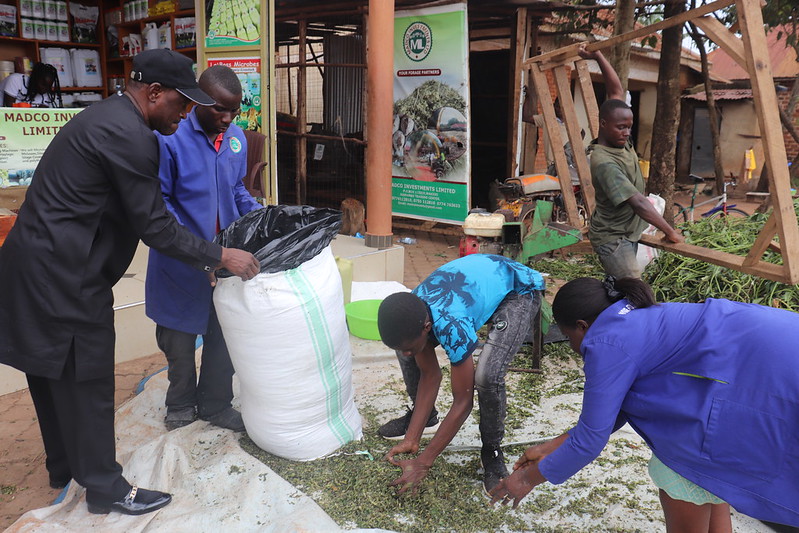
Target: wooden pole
column 567, row 54
column 589, row 96
column 576, row 140
column 518, row 52
column 380, row 87
column 766, row 110
column 302, row 118
column 556, row 140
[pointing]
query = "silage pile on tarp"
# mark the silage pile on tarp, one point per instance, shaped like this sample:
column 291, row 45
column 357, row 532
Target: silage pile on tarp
column 676, row 278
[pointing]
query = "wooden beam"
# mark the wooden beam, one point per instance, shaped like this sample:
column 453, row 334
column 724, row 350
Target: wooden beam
column 723, row 37
column 576, row 140
column 589, row 96
column 735, row 262
column 302, row 119
column 518, row 53
column 556, row 141
column 766, row 110
column 762, row 243
column 568, row 54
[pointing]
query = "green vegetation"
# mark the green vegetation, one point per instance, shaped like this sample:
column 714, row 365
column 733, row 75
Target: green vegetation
column 426, row 98
column 676, row 278
column 354, row 490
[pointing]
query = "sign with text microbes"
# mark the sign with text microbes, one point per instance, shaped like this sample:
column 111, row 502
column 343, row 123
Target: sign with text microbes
column 233, row 23
column 25, row 134
column 248, row 70
column 430, row 141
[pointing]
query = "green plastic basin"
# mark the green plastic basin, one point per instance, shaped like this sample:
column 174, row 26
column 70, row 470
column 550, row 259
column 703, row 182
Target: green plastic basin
column 362, row 318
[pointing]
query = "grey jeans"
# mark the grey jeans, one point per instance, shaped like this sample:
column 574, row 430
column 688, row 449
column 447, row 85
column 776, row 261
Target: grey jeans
column 619, row 259
column 509, row 327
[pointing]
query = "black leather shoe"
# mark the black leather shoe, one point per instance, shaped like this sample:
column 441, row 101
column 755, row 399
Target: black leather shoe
column 138, row 501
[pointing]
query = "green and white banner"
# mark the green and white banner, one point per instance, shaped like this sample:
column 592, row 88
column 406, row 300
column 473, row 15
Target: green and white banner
column 25, row 134
column 431, row 140
column 233, row 23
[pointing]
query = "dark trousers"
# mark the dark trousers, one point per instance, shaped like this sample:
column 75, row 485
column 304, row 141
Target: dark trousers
column 214, row 391
column 510, row 326
column 77, row 423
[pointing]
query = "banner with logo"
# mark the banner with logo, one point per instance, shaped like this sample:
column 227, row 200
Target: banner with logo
column 430, row 140
column 248, row 70
column 233, row 23
column 25, row 134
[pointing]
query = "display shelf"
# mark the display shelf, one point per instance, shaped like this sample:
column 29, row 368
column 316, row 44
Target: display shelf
column 163, row 17
column 117, row 66
column 81, row 89
column 16, row 46
column 62, row 44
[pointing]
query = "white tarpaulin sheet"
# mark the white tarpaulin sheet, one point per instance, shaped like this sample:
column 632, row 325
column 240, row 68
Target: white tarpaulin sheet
column 215, row 485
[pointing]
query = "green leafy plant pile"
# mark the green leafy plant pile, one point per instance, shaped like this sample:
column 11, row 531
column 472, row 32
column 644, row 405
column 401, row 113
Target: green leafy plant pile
column 426, row 98
column 354, row 490
column 676, row 278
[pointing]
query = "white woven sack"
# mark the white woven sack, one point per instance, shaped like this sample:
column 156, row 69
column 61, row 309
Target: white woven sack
column 288, row 340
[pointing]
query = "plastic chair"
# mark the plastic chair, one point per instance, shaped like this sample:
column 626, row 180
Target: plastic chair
column 255, row 162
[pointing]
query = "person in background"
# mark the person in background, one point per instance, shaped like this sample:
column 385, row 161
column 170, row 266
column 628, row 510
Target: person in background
column 202, row 167
column 448, row 308
column 622, row 212
column 713, row 389
column 94, row 194
column 40, row 89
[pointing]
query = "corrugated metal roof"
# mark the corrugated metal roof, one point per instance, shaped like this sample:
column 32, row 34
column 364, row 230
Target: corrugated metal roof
column 782, row 57
column 722, row 94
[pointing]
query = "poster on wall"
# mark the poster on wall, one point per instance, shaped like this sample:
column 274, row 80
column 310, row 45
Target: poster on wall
column 25, row 133
column 232, row 23
column 248, row 69
column 430, row 138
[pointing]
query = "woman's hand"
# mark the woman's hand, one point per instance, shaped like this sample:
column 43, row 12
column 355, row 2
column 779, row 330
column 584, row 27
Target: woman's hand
column 516, row 486
column 534, row 454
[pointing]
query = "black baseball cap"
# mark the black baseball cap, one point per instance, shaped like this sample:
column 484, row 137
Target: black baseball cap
column 170, row 69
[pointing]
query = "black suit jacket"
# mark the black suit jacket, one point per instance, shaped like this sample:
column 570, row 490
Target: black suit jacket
column 94, row 194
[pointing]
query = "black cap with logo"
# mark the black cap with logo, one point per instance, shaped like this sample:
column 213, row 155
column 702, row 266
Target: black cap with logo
column 170, row 69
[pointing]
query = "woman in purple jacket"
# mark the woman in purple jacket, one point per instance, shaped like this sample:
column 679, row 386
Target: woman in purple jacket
column 713, row 388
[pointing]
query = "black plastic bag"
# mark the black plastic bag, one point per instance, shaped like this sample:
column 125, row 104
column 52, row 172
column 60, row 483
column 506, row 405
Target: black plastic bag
column 281, row 237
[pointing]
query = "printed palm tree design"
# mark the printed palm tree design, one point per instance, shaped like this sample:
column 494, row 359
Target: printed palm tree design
column 458, row 335
column 446, row 286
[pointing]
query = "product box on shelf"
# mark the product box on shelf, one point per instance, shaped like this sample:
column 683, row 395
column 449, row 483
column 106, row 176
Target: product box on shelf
column 62, row 61
column 84, row 22
column 8, row 21
column 185, row 32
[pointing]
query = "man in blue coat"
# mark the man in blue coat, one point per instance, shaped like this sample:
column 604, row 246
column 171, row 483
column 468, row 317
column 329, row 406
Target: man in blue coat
column 201, row 170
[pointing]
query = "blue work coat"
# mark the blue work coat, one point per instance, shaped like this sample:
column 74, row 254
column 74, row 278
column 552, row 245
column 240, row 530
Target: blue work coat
column 198, row 183
column 713, row 388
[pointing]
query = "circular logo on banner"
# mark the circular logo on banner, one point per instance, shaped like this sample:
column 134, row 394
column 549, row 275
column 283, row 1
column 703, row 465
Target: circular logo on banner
column 235, row 145
column 417, row 41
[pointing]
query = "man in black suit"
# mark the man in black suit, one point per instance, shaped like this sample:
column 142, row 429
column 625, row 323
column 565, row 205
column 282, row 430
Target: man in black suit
column 94, row 194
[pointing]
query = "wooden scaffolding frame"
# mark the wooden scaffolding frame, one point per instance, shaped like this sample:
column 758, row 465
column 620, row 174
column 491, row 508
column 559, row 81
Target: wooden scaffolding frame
column 750, row 52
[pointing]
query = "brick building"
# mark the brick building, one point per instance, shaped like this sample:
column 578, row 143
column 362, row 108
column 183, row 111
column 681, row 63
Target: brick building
column 785, row 69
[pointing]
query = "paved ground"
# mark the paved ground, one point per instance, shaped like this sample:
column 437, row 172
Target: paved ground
column 23, row 478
